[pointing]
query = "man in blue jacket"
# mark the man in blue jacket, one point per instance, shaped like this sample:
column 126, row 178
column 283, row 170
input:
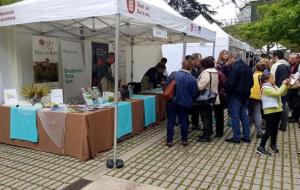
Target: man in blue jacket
column 237, row 87
column 185, row 91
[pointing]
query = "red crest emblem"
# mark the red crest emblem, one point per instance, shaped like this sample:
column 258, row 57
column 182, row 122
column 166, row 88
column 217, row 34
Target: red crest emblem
column 131, row 6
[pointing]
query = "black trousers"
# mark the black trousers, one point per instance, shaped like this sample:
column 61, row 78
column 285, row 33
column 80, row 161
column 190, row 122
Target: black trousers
column 272, row 124
column 294, row 102
column 206, row 118
column 195, row 115
column 219, row 116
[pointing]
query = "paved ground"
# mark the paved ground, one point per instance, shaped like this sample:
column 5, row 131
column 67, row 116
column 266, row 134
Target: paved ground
column 214, row 165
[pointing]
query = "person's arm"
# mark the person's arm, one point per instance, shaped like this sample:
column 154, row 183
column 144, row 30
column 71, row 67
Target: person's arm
column 194, row 88
column 203, row 81
column 276, row 92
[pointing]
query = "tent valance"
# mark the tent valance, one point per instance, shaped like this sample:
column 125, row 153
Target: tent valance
column 100, row 14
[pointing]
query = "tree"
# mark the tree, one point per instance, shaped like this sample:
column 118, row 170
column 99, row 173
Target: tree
column 192, row 9
column 278, row 22
column 6, row 2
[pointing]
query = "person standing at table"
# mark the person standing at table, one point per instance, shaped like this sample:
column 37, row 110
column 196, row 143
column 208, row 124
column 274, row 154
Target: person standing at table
column 154, row 77
column 184, row 93
column 104, row 73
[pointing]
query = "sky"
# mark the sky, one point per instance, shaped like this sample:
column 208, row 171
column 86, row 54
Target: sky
column 228, row 11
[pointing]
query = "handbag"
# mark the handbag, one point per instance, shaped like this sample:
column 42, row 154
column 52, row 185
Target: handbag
column 169, row 91
column 206, row 97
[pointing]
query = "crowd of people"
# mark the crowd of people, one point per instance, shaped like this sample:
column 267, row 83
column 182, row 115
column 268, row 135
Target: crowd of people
column 262, row 98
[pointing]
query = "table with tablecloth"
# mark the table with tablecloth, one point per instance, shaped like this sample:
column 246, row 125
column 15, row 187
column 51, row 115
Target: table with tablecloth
column 85, row 134
column 161, row 112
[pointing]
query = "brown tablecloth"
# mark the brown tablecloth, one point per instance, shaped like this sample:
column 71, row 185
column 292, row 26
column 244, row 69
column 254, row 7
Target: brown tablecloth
column 86, row 134
column 137, row 115
column 161, row 112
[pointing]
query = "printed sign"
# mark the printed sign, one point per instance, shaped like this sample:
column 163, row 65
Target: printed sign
column 57, row 96
column 157, row 32
column 73, row 71
column 10, row 97
column 45, row 59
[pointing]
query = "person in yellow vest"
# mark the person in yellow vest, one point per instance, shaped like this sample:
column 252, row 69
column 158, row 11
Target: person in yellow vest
column 254, row 106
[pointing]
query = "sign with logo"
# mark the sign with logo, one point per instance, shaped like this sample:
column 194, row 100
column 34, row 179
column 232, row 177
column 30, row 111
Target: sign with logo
column 195, row 29
column 138, row 8
column 10, row 97
column 73, row 71
column 45, row 59
column 131, row 6
column 157, row 32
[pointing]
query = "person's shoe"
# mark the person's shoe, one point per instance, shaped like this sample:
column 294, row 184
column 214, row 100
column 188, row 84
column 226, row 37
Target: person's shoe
column 204, row 139
column 263, row 151
column 218, row 136
column 282, row 129
column 232, row 140
column 274, row 148
column 246, row 140
column 184, row 143
column 259, row 135
column 292, row 120
column 169, row 144
column 195, row 127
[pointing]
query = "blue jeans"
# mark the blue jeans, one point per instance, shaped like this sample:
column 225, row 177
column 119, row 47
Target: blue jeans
column 183, row 116
column 238, row 114
column 254, row 109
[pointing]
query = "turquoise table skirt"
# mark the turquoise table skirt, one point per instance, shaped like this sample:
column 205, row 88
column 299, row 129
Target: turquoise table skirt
column 124, row 119
column 23, row 123
column 149, row 108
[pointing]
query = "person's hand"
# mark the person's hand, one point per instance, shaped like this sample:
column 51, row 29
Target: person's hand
column 286, row 82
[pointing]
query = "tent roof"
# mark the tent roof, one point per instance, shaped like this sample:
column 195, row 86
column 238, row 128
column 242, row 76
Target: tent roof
column 220, row 33
column 99, row 14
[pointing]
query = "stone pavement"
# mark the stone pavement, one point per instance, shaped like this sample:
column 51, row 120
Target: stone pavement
column 214, row 165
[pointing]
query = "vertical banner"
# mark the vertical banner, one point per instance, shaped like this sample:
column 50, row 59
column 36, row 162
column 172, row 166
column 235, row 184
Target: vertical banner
column 73, row 71
column 45, row 59
column 99, row 51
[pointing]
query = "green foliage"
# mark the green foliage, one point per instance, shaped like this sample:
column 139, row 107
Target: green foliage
column 279, row 22
column 29, row 91
column 192, row 9
column 7, row 2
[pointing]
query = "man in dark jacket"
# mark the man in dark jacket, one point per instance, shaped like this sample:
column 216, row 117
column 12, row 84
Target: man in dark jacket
column 237, row 87
column 104, row 73
column 293, row 94
column 281, row 71
column 196, row 70
column 154, row 77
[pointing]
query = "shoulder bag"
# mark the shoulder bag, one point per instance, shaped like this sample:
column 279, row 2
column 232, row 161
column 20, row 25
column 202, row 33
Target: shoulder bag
column 206, row 97
column 169, row 91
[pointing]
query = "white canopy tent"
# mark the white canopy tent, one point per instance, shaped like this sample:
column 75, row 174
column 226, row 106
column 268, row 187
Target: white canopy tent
column 223, row 42
column 119, row 21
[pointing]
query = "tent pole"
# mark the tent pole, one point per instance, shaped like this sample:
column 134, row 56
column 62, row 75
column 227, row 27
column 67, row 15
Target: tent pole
column 116, row 92
column 132, row 61
column 214, row 49
column 184, row 47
